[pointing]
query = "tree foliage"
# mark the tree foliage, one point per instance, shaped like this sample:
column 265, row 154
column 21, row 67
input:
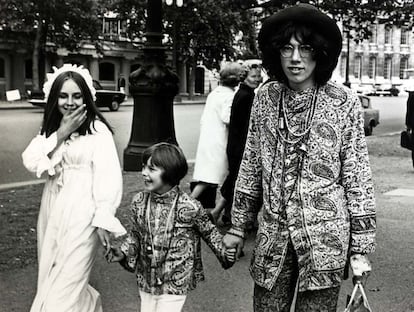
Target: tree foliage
column 33, row 23
column 206, row 30
column 65, row 23
column 356, row 15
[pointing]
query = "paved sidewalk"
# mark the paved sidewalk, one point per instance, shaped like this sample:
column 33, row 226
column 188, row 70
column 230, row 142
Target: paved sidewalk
column 389, row 288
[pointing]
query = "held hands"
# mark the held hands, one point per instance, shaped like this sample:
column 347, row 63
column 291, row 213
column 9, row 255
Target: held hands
column 105, row 240
column 230, row 254
column 71, row 122
column 231, row 241
column 114, row 255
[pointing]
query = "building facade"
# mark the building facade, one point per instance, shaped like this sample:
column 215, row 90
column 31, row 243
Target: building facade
column 383, row 60
column 117, row 56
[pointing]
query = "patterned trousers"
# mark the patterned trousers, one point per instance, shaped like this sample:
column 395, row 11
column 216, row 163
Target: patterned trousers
column 280, row 297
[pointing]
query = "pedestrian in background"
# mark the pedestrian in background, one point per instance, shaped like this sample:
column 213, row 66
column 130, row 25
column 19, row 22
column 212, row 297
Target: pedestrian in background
column 75, row 152
column 121, row 83
column 211, row 163
column 163, row 243
column 238, row 126
column 409, row 122
column 305, row 169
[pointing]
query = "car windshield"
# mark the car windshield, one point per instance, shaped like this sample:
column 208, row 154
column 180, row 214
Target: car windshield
column 364, row 101
column 97, row 85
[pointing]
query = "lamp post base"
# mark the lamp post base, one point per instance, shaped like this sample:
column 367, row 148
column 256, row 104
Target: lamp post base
column 133, row 157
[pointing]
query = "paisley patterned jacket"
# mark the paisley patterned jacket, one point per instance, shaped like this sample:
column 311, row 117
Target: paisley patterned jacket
column 176, row 244
column 334, row 213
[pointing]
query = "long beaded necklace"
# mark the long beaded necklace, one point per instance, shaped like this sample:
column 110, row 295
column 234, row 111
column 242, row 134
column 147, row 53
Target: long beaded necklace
column 284, row 121
column 158, row 260
column 300, row 136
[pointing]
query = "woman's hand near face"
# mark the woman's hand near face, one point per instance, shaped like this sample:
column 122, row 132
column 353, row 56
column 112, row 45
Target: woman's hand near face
column 71, row 122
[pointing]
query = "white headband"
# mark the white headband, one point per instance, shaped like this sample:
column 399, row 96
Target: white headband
column 65, row 68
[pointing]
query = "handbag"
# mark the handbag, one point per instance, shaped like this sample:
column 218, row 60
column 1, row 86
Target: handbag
column 407, row 139
column 208, row 197
column 360, row 303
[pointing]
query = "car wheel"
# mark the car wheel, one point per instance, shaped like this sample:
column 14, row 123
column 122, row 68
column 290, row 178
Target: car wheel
column 114, row 106
column 368, row 130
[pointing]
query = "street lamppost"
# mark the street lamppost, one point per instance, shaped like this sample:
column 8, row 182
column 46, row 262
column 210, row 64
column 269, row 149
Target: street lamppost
column 153, row 87
column 347, row 82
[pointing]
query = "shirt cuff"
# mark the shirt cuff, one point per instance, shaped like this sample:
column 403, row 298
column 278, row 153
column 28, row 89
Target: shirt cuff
column 236, row 231
column 105, row 220
column 363, row 243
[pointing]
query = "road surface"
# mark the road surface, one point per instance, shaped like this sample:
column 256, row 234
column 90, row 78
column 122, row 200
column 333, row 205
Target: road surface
column 18, row 127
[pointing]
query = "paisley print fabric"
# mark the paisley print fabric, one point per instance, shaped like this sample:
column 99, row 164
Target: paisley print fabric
column 280, row 297
column 176, row 245
column 330, row 211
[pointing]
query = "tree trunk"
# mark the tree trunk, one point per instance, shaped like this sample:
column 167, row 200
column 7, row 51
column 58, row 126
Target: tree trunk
column 35, row 56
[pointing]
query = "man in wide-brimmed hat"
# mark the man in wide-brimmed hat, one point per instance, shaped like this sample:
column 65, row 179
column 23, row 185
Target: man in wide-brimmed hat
column 305, row 169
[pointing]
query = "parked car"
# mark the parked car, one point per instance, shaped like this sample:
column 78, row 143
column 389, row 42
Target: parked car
column 104, row 98
column 365, row 89
column 108, row 98
column 386, row 90
column 371, row 115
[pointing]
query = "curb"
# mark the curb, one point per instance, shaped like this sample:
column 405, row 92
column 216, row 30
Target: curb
column 12, row 106
column 7, row 186
column 24, row 106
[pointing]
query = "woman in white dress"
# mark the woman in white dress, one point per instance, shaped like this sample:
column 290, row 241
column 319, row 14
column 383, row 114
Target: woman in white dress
column 76, row 153
column 211, row 163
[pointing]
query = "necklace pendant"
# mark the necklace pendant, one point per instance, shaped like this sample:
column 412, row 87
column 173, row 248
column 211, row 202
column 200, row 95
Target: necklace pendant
column 281, row 123
column 153, row 263
column 158, row 281
column 303, row 148
column 149, row 250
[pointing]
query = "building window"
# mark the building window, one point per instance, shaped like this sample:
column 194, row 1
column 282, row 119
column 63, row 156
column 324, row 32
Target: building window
column 373, row 38
column 358, row 67
column 110, row 26
column 404, row 36
column 107, row 71
column 387, row 68
column 403, row 67
column 372, row 67
column 28, row 69
column 388, row 35
column 2, row 75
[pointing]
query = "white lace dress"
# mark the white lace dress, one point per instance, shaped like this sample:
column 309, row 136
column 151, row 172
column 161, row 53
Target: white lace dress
column 82, row 192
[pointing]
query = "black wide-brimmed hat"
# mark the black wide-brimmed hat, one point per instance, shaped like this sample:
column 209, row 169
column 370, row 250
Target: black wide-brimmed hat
column 304, row 14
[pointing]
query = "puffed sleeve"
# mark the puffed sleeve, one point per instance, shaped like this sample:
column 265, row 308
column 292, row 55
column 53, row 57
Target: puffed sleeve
column 107, row 181
column 248, row 189
column 36, row 155
column 357, row 182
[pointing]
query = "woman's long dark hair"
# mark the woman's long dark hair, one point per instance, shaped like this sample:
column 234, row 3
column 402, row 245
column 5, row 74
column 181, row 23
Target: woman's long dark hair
column 324, row 55
column 52, row 116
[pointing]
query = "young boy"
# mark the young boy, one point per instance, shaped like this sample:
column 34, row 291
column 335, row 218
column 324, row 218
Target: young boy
column 163, row 244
